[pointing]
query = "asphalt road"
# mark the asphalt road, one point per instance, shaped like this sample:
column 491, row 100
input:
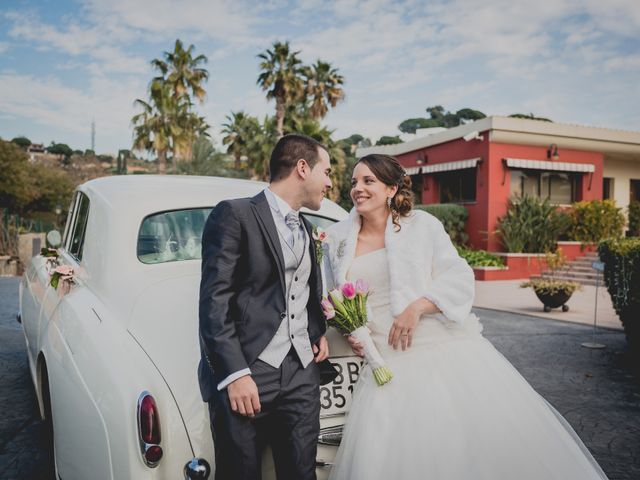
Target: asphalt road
column 597, row 391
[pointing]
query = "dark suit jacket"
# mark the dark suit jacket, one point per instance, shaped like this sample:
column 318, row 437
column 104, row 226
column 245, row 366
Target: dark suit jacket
column 242, row 291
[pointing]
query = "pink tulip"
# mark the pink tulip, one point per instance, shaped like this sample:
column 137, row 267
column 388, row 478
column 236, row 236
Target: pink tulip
column 335, row 296
column 362, row 287
column 349, row 290
column 327, row 308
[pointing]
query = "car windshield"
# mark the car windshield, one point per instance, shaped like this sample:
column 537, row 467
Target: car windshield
column 176, row 235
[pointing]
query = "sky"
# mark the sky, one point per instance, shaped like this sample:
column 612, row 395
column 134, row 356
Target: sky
column 66, row 63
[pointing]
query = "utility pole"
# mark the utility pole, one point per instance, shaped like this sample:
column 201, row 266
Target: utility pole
column 93, row 135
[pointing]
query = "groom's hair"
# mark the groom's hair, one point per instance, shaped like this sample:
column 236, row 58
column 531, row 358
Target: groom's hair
column 289, row 150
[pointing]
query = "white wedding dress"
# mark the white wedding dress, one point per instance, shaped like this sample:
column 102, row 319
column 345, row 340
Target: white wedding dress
column 455, row 409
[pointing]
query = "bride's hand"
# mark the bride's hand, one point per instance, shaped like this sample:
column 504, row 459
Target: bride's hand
column 356, row 346
column 404, row 324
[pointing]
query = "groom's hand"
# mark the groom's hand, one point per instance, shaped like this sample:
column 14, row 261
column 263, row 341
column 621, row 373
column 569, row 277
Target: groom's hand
column 243, row 396
column 321, row 350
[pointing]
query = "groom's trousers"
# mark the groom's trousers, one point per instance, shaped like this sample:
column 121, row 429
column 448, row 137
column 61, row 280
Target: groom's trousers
column 289, row 422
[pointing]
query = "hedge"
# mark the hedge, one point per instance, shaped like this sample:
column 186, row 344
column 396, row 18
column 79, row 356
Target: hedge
column 622, row 277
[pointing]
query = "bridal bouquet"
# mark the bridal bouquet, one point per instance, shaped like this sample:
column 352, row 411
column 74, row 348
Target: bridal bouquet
column 346, row 310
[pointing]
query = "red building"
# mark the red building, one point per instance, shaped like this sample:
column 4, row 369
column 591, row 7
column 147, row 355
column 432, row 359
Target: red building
column 481, row 164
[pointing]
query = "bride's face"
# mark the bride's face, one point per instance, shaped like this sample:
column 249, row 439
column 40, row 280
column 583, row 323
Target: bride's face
column 368, row 193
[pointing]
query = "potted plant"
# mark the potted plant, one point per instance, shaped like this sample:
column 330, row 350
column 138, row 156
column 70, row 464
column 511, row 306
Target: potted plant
column 553, row 292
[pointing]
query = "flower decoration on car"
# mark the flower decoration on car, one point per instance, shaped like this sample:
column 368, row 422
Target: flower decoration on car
column 51, row 256
column 319, row 237
column 64, row 274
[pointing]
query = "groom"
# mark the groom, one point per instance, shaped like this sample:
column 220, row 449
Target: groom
column 261, row 324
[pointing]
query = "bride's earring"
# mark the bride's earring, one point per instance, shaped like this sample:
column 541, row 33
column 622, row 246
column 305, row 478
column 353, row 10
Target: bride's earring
column 389, row 202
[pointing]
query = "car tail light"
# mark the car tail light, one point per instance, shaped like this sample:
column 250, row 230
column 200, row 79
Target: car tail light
column 149, row 429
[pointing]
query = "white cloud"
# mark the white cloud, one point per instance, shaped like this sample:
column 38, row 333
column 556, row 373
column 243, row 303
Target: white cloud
column 550, row 57
column 76, row 41
column 50, row 103
column 223, row 20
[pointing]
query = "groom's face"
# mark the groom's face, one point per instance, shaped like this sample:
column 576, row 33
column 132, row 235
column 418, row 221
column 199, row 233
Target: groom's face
column 318, row 181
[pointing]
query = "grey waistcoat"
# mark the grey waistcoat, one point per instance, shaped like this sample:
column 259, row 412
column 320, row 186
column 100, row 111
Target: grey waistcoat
column 293, row 329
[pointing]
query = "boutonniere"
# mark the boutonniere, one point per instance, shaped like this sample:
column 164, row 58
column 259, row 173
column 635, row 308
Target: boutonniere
column 319, row 236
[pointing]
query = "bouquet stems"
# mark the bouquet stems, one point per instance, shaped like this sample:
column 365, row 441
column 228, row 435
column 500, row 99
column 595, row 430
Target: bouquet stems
column 381, row 372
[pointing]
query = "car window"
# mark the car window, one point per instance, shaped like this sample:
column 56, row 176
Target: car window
column 79, row 226
column 177, row 235
column 67, row 225
column 319, row 221
column 172, row 236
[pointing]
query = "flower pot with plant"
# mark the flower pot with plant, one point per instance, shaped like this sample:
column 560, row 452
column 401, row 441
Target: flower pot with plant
column 553, row 292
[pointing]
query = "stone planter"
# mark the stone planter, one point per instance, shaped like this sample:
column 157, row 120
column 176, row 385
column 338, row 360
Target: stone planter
column 554, row 300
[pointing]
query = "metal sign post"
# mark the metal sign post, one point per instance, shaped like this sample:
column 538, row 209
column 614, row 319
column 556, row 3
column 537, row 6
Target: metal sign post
column 598, row 267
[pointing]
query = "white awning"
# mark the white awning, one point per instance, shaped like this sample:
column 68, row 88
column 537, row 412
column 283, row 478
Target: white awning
column 552, row 166
column 444, row 167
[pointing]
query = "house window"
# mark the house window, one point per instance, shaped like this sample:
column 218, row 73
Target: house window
column 417, row 186
column 634, row 191
column 607, row 188
column 457, row 186
column 558, row 187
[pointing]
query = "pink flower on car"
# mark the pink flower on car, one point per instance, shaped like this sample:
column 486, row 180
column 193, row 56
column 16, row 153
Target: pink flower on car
column 348, row 290
column 64, row 270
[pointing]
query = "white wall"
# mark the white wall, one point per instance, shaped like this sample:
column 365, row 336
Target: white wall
column 621, row 171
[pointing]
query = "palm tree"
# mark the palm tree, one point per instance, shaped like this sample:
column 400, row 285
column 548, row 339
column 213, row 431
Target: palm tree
column 154, row 127
column 260, row 144
column 190, row 126
column 281, row 78
column 171, row 122
column 239, row 131
column 183, row 72
column 323, row 88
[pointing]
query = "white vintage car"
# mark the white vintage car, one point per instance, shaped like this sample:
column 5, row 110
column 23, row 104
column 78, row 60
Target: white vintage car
column 114, row 357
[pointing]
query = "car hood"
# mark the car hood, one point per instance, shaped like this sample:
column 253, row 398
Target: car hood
column 165, row 324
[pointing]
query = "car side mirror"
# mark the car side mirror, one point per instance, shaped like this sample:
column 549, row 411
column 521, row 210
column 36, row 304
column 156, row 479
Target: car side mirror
column 54, row 239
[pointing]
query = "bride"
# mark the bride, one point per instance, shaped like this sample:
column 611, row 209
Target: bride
column 455, row 409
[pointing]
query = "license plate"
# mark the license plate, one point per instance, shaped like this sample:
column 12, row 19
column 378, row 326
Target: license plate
column 335, row 397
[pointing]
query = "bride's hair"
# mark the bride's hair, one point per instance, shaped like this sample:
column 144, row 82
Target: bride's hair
column 388, row 170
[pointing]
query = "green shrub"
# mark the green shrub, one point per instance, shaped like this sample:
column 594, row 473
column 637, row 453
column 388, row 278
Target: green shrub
column 634, row 218
column 531, row 225
column 595, row 220
column 453, row 217
column 479, row 258
column 621, row 259
column 545, row 286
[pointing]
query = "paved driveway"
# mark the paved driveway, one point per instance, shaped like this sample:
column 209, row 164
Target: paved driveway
column 597, row 391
